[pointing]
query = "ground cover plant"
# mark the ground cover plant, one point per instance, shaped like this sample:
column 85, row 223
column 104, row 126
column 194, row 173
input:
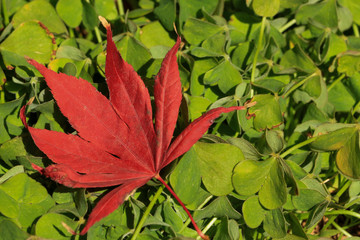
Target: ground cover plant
column 286, row 166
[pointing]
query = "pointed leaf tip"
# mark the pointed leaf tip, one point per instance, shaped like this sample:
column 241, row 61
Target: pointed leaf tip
column 104, row 22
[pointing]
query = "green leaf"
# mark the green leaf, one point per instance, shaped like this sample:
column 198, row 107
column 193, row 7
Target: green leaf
column 32, row 40
column 153, row 34
column 11, row 172
column 249, row 151
column 220, row 207
column 189, row 9
column 133, row 52
column 227, row 230
column 70, row 53
column 106, row 8
column 267, row 113
column 48, row 117
column 349, row 63
column 225, row 75
column 243, row 54
column 81, row 201
column 70, row 11
column 316, row 214
column 62, row 195
column 296, row 59
column 113, row 225
column 291, row 3
column 185, row 187
column 89, row 16
column 171, row 216
column 271, row 85
column 253, row 212
column 245, row 28
column 40, row 10
column 348, row 157
column 195, row 30
column 274, row 223
column 11, row 149
column 200, row 67
column 9, row 230
column 5, row 110
column 216, row 163
column 266, row 8
column 313, row 86
column 334, row 140
column 341, row 97
column 250, row 175
column 275, row 140
column 345, row 18
column 307, row 199
column 197, row 106
column 24, row 199
column 274, row 183
column 322, row 14
column 51, row 226
column 354, row 7
column 166, row 12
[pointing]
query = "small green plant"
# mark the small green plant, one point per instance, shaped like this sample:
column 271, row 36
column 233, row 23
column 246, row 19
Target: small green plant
column 287, row 168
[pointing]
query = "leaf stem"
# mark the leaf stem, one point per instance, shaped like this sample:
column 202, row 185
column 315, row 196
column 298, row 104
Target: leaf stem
column 342, row 190
column 147, row 212
column 208, row 226
column 120, row 7
column 201, row 234
column 335, row 82
column 294, row 87
column 2, row 96
column 328, row 223
column 356, row 30
column 258, row 48
column 97, row 34
column 297, row 146
column 189, row 220
column 343, row 212
column 5, row 13
column 343, row 231
column 287, row 25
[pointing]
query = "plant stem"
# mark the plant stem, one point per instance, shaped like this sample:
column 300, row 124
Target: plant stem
column 201, row 234
column 188, row 221
column 343, row 212
column 343, row 231
column 287, row 25
column 356, row 30
column 259, row 47
column 71, row 33
column 208, row 226
column 97, row 34
column 297, row 146
column 120, row 7
column 5, row 13
column 2, row 96
column 335, row 82
column 328, row 223
column 147, row 212
column 294, row 87
column 342, row 190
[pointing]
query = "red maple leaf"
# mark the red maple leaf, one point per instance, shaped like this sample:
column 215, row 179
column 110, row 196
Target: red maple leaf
column 116, row 143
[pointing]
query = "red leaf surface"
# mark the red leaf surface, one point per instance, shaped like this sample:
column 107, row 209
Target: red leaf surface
column 116, row 144
column 130, row 98
column 167, row 93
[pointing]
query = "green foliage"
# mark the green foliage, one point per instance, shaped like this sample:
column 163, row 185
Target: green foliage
column 272, row 172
